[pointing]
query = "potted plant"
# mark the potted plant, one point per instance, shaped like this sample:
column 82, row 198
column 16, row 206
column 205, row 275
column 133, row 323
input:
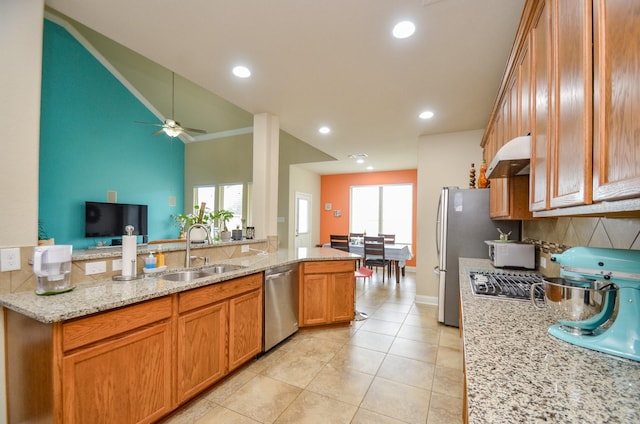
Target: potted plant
column 43, row 237
column 201, row 215
column 223, row 217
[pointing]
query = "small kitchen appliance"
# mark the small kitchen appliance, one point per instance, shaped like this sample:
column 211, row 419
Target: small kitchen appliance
column 508, row 285
column 616, row 328
column 52, row 267
column 511, row 254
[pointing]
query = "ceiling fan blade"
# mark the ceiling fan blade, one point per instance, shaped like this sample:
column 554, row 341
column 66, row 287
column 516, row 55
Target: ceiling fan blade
column 157, row 132
column 195, row 130
column 148, row 123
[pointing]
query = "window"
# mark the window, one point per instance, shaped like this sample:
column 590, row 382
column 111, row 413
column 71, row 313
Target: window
column 383, row 209
column 230, row 197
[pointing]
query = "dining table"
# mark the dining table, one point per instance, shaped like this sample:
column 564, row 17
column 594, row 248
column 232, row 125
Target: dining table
column 399, row 254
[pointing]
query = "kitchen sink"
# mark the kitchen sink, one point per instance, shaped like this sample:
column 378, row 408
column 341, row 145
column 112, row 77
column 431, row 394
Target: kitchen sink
column 221, row 268
column 185, row 275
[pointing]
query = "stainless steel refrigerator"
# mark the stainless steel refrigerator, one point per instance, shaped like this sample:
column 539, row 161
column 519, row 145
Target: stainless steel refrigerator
column 462, row 226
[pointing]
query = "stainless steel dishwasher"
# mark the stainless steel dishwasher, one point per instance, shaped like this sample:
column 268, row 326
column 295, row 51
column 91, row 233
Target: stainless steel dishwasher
column 280, row 305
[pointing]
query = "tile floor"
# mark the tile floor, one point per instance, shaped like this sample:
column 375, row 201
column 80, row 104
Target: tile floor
column 398, row 366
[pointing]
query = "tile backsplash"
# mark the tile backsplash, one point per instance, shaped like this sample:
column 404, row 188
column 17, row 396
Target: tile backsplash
column 619, row 233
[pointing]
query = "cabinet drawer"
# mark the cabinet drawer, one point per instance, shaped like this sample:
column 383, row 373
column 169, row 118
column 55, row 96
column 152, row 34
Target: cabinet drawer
column 83, row 331
column 216, row 292
column 324, row 267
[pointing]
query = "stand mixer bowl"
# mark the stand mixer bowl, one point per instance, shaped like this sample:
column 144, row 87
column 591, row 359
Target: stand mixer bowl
column 579, row 308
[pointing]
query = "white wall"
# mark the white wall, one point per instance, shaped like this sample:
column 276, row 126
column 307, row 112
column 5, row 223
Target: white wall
column 304, row 181
column 443, row 160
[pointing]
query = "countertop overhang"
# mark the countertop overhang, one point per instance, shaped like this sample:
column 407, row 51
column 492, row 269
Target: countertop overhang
column 89, row 298
column 517, row 372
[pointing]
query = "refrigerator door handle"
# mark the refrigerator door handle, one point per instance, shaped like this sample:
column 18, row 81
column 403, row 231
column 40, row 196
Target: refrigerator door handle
column 436, row 270
column 438, row 220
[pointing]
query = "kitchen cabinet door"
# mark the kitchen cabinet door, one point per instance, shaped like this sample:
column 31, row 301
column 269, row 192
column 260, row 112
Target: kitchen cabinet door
column 499, row 198
column 570, row 171
column 342, row 297
column 202, row 335
column 541, row 89
column 524, row 90
column 314, row 302
column 122, row 380
column 245, row 328
column 616, row 136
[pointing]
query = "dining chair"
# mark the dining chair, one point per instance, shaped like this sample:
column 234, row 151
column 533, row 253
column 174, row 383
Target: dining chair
column 374, row 254
column 340, row 242
column 354, row 237
column 391, row 239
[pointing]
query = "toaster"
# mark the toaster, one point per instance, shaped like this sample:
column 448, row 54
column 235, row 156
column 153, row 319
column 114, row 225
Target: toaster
column 511, row 254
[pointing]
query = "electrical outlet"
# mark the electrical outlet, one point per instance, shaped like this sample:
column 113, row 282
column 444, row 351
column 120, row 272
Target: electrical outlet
column 10, row 259
column 543, row 262
column 91, row 268
column 116, row 265
column 244, row 248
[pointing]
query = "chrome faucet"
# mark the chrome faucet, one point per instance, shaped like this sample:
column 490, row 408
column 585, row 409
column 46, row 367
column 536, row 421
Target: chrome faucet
column 187, row 259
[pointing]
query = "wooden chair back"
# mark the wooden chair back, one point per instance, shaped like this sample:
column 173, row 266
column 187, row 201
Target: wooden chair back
column 340, row 242
column 388, row 238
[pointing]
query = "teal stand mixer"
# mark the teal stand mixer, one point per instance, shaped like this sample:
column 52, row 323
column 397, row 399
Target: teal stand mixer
column 614, row 276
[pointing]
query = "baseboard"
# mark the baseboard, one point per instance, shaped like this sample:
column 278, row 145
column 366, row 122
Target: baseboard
column 427, row 300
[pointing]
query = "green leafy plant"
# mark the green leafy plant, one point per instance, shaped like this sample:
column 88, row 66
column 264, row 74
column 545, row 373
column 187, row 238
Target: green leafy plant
column 223, row 217
column 184, row 221
column 42, row 234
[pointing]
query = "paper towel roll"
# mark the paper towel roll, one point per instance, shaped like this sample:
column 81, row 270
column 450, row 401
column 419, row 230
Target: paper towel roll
column 129, row 256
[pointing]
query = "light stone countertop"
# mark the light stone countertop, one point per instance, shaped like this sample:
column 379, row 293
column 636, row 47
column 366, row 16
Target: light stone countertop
column 518, row 373
column 89, row 298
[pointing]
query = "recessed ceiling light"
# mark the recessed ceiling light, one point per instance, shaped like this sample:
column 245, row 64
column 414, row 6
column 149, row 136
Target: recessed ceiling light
column 360, row 161
column 427, row 114
column 324, row 130
column 369, row 168
column 241, row 72
column 404, row 29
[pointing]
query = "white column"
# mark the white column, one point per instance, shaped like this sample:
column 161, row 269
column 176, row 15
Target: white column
column 266, row 140
column 21, row 24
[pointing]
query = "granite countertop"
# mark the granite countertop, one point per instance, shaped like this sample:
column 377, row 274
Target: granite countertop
column 518, row 373
column 89, row 298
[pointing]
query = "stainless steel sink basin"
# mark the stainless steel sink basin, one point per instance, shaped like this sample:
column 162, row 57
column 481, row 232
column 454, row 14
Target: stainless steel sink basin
column 185, row 275
column 221, row 268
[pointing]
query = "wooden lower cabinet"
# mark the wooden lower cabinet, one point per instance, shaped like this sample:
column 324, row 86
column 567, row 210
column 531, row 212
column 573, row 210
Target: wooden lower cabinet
column 134, row 364
column 327, row 292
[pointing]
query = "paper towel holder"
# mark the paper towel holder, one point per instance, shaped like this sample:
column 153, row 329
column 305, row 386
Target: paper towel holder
column 134, row 274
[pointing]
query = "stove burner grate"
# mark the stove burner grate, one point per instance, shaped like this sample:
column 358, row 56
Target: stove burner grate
column 509, row 285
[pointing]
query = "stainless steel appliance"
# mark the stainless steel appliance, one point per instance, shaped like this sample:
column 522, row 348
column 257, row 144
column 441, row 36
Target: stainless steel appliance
column 462, row 226
column 606, row 314
column 510, row 254
column 506, row 285
column 280, row 305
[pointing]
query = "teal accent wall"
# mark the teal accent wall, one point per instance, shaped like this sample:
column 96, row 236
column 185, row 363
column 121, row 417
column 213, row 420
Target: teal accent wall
column 89, row 144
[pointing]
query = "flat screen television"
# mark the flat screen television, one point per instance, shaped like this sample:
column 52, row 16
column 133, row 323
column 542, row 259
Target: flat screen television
column 109, row 219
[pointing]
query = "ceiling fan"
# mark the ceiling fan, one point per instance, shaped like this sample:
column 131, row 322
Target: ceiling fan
column 171, row 127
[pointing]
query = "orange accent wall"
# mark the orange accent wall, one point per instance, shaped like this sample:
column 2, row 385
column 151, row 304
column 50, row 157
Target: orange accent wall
column 335, row 189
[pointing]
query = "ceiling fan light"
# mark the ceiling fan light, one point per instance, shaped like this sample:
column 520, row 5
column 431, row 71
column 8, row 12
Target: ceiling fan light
column 172, row 131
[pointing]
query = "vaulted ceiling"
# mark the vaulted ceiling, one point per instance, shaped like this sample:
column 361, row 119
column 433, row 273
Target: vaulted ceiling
column 330, row 62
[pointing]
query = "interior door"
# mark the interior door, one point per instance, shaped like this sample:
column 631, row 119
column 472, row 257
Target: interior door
column 303, row 220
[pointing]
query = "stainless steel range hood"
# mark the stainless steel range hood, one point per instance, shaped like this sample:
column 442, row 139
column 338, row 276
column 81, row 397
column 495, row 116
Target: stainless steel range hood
column 512, row 159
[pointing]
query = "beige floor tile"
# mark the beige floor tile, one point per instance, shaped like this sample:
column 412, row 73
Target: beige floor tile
column 317, row 348
column 397, row 307
column 312, row 408
column 415, row 350
column 405, row 403
column 407, row 371
column 364, row 416
column 191, row 412
column 449, row 357
column 448, row 381
column 221, row 415
column 357, row 358
column 382, row 327
column 421, row 321
column 373, row 341
column 295, row 369
column 340, row 335
column 270, row 358
column 451, row 339
column 343, row 384
column 444, row 410
column 230, row 385
column 419, row 334
column 387, row 315
column 262, row 399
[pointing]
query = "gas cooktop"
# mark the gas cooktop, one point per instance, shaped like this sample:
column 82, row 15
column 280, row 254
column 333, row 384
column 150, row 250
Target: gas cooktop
column 511, row 285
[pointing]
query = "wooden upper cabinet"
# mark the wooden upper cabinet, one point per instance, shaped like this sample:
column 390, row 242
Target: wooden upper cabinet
column 540, row 134
column 570, row 172
column 616, row 135
column 524, row 90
